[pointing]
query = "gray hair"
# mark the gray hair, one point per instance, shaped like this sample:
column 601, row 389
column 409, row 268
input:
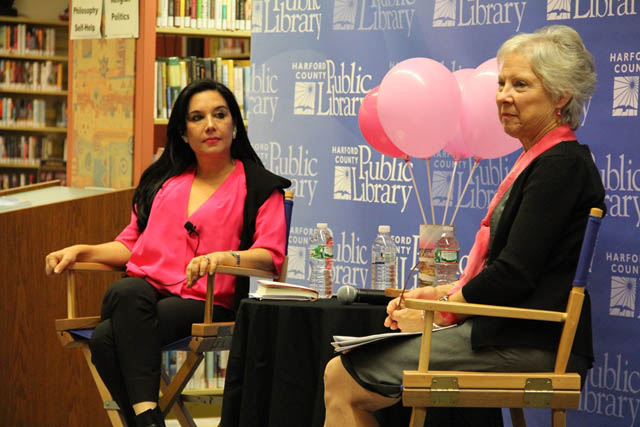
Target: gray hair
column 560, row 60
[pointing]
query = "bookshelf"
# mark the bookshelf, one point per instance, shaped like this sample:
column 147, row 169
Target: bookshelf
column 175, row 41
column 33, row 100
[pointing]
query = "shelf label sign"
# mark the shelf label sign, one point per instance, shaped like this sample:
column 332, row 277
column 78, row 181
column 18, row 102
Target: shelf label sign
column 121, row 19
column 85, row 19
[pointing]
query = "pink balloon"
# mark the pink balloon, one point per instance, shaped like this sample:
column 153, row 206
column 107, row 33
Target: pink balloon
column 456, row 145
column 481, row 127
column 372, row 129
column 490, row 65
column 418, row 106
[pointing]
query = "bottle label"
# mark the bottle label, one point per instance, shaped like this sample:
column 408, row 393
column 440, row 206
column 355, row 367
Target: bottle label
column 321, row 252
column 446, row 257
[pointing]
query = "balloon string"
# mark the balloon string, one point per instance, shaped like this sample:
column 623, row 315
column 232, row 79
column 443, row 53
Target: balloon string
column 446, row 206
column 433, row 215
column 424, row 218
column 464, row 190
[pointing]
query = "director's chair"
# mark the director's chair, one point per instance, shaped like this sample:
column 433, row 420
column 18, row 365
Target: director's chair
column 557, row 390
column 75, row 331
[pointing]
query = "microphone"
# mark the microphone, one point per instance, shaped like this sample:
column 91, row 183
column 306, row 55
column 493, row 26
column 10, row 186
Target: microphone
column 348, row 294
column 190, row 228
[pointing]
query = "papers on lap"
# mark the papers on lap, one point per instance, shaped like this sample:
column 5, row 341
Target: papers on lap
column 269, row 290
column 342, row 343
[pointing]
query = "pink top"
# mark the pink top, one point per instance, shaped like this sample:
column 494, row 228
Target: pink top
column 161, row 253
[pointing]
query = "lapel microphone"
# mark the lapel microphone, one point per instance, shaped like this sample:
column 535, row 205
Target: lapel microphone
column 190, row 228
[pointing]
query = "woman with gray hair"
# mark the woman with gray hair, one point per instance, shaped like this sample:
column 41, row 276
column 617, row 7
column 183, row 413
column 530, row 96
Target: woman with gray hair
column 524, row 255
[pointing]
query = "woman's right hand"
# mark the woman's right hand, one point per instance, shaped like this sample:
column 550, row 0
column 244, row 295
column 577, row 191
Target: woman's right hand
column 56, row 262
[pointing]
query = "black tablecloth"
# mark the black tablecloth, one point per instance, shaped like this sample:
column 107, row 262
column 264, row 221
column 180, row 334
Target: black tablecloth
column 278, row 355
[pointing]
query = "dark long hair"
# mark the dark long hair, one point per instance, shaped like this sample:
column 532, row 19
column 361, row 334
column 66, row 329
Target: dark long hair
column 178, row 156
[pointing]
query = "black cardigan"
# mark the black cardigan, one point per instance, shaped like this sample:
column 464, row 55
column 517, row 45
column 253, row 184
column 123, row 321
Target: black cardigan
column 260, row 185
column 534, row 253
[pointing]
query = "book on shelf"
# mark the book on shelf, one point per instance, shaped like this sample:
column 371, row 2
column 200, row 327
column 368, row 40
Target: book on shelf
column 174, row 73
column 27, row 39
column 270, row 290
column 210, row 373
column 205, row 14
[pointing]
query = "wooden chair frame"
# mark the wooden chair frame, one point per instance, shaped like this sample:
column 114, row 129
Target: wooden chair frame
column 205, row 336
column 557, row 390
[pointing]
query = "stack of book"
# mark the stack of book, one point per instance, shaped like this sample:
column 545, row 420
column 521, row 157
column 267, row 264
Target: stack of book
column 209, row 14
column 174, row 73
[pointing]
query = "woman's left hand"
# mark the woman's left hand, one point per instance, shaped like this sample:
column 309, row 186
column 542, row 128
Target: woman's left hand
column 405, row 319
column 203, row 264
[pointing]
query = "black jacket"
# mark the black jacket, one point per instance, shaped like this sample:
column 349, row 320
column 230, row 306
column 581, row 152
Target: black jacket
column 260, row 185
column 534, row 253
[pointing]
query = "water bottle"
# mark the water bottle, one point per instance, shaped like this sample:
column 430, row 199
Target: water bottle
column 383, row 260
column 446, row 257
column 321, row 260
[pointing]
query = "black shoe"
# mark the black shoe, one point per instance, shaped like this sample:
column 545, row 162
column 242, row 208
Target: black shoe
column 150, row 418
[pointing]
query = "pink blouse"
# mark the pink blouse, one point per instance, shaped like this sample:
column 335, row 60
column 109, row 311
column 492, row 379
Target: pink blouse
column 161, row 253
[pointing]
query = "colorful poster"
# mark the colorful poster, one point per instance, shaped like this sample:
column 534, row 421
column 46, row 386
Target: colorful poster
column 102, row 104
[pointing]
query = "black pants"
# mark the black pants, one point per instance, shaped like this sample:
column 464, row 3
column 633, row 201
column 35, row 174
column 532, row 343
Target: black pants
column 136, row 321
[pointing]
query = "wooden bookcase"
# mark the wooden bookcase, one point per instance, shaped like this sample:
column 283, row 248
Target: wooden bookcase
column 149, row 132
column 33, row 88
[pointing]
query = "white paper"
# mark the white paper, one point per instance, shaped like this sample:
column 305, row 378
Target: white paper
column 85, row 19
column 121, row 19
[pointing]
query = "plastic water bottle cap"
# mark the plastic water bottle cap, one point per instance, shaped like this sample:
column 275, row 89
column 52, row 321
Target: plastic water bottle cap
column 322, row 225
column 384, row 229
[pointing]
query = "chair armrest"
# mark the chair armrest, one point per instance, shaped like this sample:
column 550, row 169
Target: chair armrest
column 242, row 271
column 94, row 266
column 392, row 292
column 486, row 310
column 236, row 271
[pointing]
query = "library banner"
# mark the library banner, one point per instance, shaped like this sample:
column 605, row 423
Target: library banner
column 313, row 63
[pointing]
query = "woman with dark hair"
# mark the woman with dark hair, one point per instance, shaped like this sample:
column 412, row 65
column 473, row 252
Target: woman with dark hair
column 207, row 200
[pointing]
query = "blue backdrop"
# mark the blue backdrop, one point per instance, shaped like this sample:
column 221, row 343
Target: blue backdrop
column 314, row 61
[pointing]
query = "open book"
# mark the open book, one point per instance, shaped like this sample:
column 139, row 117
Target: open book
column 269, row 290
column 342, row 343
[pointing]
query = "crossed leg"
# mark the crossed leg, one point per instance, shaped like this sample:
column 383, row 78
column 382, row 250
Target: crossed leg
column 347, row 403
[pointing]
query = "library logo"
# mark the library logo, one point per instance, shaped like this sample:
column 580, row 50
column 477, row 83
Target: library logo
column 264, row 88
column 621, row 180
column 256, row 18
column 295, row 163
column 351, row 257
column 469, row 13
column 444, row 13
column 440, row 188
column 625, row 96
column 327, row 88
column 623, row 296
column 344, row 14
column 304, row 98
column 626, row 67
column 373, row 15
column 297, row 258
column 473, row 192
column 611, row 390
column 287, row 17
column 342, row 183
column 361, row 177
column 558, row 9
column 408, row 247
column 577, row 9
